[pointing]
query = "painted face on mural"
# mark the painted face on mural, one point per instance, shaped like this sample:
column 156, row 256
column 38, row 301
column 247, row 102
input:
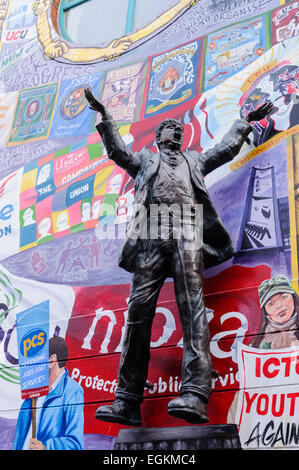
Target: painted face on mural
column 44, row 227
column 86, row 209
column 62, row 222
column 32, row 109
column 28, row 217
column 114, row 184
column 96, row 209
column 280, row 307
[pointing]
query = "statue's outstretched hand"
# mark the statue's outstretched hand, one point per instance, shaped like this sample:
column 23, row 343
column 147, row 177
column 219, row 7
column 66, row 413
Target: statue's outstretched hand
column 95, row 105
column 260, row 113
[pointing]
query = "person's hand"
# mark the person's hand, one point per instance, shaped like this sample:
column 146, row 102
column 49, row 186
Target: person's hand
column 38, row 262
column 40, row 7
column 95, row 105
column 55, row 49
column 260, row 113
column 34, row 444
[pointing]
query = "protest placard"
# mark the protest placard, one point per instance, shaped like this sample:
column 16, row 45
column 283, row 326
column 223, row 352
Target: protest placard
column 33, row 348
column 268, row 399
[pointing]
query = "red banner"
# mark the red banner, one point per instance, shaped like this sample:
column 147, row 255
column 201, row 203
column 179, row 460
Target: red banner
column 96, row 328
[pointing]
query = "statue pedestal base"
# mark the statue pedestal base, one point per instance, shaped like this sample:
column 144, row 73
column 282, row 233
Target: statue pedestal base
column 221, row 436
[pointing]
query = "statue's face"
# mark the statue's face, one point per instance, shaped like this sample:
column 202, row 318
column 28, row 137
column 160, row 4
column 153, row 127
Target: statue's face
column 172, row 136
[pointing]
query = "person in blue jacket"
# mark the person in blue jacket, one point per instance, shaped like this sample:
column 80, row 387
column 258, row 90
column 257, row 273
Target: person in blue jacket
column 59, row 415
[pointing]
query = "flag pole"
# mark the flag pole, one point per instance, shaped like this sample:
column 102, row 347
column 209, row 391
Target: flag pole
column 33, row 418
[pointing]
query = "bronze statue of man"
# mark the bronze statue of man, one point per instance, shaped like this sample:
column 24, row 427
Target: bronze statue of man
column 170, row 178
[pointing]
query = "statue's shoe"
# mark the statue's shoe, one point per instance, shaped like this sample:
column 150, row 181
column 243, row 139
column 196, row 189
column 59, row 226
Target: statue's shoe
column 189, row 407
column 121, row 411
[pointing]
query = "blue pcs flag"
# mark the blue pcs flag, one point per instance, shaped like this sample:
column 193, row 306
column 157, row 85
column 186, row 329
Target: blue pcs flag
column 33, row 350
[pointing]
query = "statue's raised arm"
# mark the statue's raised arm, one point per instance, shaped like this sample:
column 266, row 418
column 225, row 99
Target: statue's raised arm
column 115, row 146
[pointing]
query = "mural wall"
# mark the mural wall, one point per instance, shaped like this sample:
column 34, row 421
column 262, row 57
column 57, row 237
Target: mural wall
column 64, row 209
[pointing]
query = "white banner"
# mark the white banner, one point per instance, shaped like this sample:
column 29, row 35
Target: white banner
column 19, row 24
column 268, row 401
column 7, row 111
column 9, row 214
column 16, row 295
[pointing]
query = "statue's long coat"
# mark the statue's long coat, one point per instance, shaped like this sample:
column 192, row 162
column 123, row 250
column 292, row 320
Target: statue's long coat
column 143, row 166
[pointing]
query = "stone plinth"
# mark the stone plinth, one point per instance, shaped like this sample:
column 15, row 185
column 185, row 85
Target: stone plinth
column 224, row 436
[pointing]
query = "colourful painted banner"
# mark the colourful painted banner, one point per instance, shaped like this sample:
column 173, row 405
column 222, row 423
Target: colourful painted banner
column 267, row 414
column 60, row 194
column 272, row 76
column 72, row 115
column 34, row 114
column 232, row 49
column 122, row 92
column 19, row 25
column 172, row 79
column 285, row 22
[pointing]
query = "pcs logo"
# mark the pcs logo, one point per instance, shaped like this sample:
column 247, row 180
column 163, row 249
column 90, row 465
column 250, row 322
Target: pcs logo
column 33, row 342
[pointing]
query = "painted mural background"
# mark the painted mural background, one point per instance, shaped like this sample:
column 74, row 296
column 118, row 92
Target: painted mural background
column 64, row 208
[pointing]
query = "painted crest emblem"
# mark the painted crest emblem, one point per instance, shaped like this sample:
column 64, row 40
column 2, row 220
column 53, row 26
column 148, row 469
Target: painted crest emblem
column 74, row 103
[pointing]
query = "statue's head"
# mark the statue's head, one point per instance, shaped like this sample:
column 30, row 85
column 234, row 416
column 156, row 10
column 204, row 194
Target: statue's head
column 170, row 133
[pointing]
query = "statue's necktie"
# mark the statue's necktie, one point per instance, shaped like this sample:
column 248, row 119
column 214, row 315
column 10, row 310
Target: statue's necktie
column 173, row 159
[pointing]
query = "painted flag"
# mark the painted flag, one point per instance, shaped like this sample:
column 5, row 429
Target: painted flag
column 33, row 350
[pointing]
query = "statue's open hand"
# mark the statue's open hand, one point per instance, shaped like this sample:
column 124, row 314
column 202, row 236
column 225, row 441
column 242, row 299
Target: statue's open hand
column 95, row 105
column 260, row 113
